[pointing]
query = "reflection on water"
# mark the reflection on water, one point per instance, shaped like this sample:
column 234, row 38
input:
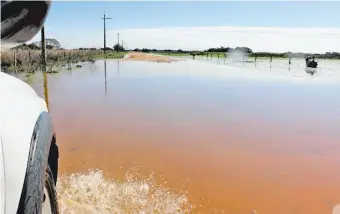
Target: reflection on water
column 118, row 66
column 105, row 78
column 235, row 138
column 46, row 89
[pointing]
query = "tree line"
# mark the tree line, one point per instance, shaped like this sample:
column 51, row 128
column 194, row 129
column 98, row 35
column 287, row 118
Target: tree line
column 54, row 44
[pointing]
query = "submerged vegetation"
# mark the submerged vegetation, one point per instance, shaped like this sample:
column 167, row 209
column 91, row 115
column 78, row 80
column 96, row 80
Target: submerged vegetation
column 30, row 60
column 27, row 58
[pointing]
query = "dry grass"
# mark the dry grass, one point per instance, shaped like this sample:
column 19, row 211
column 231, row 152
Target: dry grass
column 30, row 60
column 137, row 56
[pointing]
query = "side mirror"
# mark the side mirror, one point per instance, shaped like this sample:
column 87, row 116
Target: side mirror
column 21, row 21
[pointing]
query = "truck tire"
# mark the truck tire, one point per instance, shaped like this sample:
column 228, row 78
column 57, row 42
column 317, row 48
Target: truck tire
column 32, row 194
column 50, row 202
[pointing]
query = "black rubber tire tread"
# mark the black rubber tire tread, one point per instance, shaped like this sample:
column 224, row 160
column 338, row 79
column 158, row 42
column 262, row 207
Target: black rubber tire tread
column 51, row 190
column 31, row 199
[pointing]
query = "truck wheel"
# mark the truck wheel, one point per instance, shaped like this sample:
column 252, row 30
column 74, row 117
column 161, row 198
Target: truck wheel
column 38, row 171
column 50, row 202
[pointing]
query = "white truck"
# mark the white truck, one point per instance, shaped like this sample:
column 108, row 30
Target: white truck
column 28, row 149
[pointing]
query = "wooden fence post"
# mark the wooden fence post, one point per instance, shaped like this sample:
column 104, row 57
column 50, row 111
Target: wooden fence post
column 43, row 49
column 29, row 57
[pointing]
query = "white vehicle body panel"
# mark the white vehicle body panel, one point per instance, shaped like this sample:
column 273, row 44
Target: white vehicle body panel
column 20, row 107
column 2, row 180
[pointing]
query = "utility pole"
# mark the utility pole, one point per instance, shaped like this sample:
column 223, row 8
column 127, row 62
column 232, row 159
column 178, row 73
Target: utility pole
column 118, row 38
column 122, row 43
column 104, row 18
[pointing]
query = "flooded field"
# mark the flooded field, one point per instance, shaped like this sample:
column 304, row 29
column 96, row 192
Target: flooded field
column 232, row 138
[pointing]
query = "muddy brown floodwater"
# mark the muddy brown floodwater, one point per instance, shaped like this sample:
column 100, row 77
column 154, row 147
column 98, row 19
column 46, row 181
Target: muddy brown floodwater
column 237, row 140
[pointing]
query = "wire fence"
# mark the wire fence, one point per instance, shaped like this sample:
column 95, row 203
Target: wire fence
column 30, row 60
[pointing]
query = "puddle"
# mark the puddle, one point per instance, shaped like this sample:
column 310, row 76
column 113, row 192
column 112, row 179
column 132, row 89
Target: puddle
column 235, row 139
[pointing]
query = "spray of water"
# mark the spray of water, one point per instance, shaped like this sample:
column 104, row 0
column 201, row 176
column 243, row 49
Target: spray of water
column 91, row 193
column 238, row 55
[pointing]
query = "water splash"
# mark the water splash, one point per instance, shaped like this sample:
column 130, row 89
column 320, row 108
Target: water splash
column 238, row 55
column 91, row 192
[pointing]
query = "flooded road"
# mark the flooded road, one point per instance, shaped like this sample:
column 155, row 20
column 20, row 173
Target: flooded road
column 235, row 139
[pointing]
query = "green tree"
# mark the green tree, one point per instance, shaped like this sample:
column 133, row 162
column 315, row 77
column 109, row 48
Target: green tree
column 118, row 47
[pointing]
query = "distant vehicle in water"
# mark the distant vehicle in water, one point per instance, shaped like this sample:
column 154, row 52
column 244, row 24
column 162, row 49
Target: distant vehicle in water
column 311, row 65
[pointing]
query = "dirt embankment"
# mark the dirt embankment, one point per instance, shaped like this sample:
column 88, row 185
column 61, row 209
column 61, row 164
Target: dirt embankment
column 136, row 56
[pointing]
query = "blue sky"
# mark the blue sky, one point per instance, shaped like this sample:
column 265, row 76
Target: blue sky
column 67, row 21
column 176, row 14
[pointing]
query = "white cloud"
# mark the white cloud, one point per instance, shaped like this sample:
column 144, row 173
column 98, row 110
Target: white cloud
column 272, row 39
